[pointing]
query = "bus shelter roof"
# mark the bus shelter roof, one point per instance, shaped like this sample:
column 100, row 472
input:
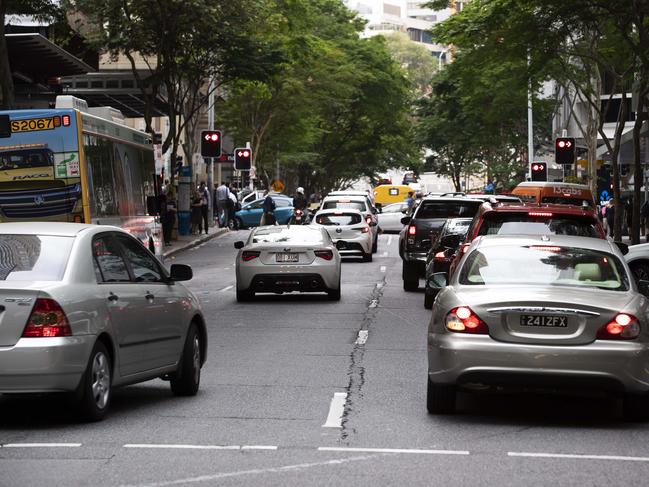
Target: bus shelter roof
column 37, row 58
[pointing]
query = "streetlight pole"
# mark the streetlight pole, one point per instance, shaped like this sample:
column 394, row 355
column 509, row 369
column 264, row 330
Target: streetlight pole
column 210, row 163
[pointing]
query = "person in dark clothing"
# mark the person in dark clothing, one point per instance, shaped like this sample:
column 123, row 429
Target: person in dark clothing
column 644, row 218
column 610, row 216
column 269, row 210
column 205, row 205
column 299, row 200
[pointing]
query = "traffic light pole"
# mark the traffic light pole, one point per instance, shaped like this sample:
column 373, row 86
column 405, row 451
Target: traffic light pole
column 210, row 161
column 530, row 126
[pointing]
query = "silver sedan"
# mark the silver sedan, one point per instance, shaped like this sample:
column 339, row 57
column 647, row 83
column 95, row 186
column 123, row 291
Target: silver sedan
column 390, row 217
column 286, row 258
column 85, row 308
column 557, row 311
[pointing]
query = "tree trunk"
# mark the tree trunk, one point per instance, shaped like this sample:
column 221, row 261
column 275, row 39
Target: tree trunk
column 621, row 121
column 6, row 80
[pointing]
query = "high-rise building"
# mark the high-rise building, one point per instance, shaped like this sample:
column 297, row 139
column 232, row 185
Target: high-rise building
column 407, row 16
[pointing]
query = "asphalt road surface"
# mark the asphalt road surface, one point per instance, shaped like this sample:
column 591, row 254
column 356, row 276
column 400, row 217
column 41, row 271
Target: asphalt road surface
column 298, row 391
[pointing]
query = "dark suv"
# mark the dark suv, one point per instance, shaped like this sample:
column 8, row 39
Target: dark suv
column 421, row 229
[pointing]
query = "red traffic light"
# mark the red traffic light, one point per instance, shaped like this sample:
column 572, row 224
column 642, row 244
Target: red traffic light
column 538, row 167
column 211, row 143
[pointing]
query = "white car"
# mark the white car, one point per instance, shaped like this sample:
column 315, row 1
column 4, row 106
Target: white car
column 349, row 231
column 287, row 258
column 391, row 215
column 354, row 192
column 362, row 203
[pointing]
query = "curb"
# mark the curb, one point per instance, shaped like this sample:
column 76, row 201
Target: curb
column 194, row 243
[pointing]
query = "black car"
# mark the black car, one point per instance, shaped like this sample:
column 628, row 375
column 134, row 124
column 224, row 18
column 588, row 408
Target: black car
column 441, row 252
column 422, row 228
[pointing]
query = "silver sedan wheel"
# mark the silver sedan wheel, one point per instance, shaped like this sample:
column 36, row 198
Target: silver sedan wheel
column 196, row 359
column 100, row 380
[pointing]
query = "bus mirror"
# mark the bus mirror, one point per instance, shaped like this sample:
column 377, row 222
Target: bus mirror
column 152, row 205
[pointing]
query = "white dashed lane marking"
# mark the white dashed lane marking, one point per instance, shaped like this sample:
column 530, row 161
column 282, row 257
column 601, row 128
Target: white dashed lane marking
column 389, row 239
column 383, row 268
column 225, row 289
column 336, row 409
column 41, row 445
column 362, row 337
column 198, row 447
column 393, row 450
column 577, row 456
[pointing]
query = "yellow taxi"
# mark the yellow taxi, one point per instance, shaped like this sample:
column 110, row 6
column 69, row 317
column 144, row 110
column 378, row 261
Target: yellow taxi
column 390, row 193
column 540, row 192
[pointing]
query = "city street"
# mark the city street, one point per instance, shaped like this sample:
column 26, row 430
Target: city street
column 279, row 372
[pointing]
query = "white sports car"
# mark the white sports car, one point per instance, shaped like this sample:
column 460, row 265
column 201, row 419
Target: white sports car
column 287, row 258
column 349, row 231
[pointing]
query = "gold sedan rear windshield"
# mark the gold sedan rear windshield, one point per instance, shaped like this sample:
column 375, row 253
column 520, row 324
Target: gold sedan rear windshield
column 544, row 265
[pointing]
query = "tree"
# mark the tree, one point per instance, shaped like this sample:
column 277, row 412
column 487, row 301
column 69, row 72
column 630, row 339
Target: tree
column 183, row 44
column 417, row 61
column 37, row 8
column 336, row 110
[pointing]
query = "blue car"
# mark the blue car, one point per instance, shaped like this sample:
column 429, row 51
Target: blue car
column 250, row 214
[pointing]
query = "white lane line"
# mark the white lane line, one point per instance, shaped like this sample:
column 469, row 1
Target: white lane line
column 379, row 285
column 336, row 409
column 256, row 471
column 259, row 447
column 393, row 450
column 577, row 456
column 225, row 289
column 182, row 447
column 383, row 268
column 389, row 239
column 362, row 337
column 41, row 445
column 385, row 254
column 374, row 303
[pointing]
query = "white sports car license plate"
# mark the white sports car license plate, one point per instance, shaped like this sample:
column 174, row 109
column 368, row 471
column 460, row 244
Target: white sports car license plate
column 286, row 257
column 544, row 321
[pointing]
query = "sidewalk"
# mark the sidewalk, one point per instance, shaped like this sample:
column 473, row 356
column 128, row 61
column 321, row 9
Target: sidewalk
column 185, row 242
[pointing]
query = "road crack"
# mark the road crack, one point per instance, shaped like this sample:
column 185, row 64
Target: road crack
column 356, row 370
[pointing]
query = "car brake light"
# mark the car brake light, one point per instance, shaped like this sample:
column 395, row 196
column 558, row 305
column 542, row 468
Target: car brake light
column 66, row 120
column 412, row 230
column 546, row 248
column 622, row 327
column 57, row 121
column 47, row 320
column 324, row 254
column 545, row 214
column 368, row 219
column 463, row 320
column 248, row 255
column 365, row 230
column 440, row 255
column 464, row 248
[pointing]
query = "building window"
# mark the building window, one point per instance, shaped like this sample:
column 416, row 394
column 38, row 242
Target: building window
column 612, row 108
column 414, row 34
column 112, row 83
column 96, row 84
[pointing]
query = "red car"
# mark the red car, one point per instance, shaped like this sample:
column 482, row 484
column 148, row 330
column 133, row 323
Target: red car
column 519, row 219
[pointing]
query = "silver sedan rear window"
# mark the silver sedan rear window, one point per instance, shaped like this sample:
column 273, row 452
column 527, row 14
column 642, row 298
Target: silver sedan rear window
column 339, row 219
column 289, row 235
column 33, row 257
column 543, row 265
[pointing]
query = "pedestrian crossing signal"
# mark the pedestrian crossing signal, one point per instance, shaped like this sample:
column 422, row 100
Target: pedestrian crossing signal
column 539, row 171
column 211, row 143
column 242, row 159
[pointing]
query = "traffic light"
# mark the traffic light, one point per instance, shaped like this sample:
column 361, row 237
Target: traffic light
column 564, row 150
column 242, row 159
column 211, row 143
column 539, row 171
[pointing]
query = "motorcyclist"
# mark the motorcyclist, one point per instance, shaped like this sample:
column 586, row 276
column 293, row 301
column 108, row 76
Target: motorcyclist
column 299, row 203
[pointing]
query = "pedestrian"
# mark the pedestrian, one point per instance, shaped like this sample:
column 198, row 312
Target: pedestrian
column 644, row 219
column 195, row 217
column 410, row 201
column 170, row 215
column 222, row 199
column 299, row 200
column 205, row 205
column 610, row 216
column 269, row 211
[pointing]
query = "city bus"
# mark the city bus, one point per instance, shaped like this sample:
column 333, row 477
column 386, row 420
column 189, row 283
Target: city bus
column 77, row 164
